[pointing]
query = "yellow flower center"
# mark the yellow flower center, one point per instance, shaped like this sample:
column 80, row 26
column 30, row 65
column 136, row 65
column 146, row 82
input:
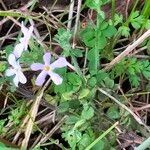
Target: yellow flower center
column 47, row 68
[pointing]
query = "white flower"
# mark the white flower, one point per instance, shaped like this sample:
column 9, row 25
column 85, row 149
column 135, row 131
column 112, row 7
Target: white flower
column 47, row 69
column 24, row 41
column 15, row 70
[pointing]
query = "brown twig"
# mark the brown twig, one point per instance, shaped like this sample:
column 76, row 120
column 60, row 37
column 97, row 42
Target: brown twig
column 128, row 50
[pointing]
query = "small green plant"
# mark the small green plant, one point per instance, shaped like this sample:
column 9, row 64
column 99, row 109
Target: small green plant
column 2, row 126
column 16, row 114
column 79, row 128
column 76, row 76
column 132, row 68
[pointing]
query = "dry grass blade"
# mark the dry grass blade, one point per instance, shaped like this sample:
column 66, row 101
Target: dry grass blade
column 128, row 50
column 33, row 114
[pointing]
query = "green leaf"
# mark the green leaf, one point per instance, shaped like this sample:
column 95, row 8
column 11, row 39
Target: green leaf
column 103, row 79
column 131, row 70
column 146, row 69
column 88, row 36
column 34, row 55
column 134, row 15
column 101, row 76
column 63, row 107
column 60, row 88
column 113, row 112
column 83, row 93
column 67, row 95
column 77, row 52
column 79, row 123
column 96, row 4
column 103, row 25
column 3, row 147
column 136, row 20
column 3, row 66
column 136, row 25
column 147, row 24
column 102, row 41
column 125, row 31
column 73, row 137
column 99, row 146
column 109, row 83
column 134, row 80
column 74, row 79
column 8, row 50
column 110, row 31
column 93, row 4
column 146, row 74
column 2, row 126
column 88, row 112
column 72, row 120
column 92, row 65
column 85, row 141
column 92, row 81
column 63, row 38
column 74, row 104
column 119, row 69
column 118, row 19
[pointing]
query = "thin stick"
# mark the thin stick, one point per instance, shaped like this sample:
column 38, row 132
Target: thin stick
column 128, row 50
column 70, row 14
column 143, row 107
column 122, row 105
column 77, row 21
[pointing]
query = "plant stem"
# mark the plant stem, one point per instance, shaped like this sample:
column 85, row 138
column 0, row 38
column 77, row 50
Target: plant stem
column 113, row 4
column 102, row 136
column 96, row 49
column 146, row 9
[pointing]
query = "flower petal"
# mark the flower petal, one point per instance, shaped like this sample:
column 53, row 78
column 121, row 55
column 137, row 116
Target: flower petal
column 10, row 72
column 16, row 81
column 12, row 60
column 37, row 66
column 41, row 78
column 30, row 30
column 21, row 77
column 27, row 35
column 59, row 63
column 55, row 78
column 24, row 41
column 24, row 29
column 18, row 50
column 47, row 58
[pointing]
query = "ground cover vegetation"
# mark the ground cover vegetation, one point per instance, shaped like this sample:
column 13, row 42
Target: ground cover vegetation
column 75, row 75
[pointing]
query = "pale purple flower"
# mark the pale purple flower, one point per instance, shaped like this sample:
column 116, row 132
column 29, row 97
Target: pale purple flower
column 23, row 45
column 47, row 69
column 15, row 70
